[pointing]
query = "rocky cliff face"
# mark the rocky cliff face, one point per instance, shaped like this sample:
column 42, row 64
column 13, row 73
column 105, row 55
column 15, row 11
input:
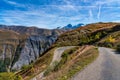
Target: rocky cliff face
column 33, row 48
column 22, row 46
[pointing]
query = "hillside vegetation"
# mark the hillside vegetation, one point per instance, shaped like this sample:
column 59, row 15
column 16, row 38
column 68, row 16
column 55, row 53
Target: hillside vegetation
column 102, row 34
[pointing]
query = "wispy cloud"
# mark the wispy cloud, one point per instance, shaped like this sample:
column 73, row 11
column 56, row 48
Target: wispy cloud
column 99, row 12
column 57, row 14
column 90, row 14
column 11, row 2
column 14, row 3
column 34, row 17
column 67, row 7
column 106, row 2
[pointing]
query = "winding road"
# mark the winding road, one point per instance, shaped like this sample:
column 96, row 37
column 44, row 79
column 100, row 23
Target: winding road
column 57, row 57
column 58, row 52
column 105, row 67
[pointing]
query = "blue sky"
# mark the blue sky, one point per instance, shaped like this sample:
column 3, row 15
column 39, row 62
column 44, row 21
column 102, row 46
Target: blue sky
column 54, row 13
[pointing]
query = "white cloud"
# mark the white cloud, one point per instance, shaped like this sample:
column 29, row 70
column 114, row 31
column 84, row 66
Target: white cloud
column 11, row 2
column 67, row 8
column 36, row 18
column 106, row 2
column 67, row 2
column 90, row 14
column 118, row 21
column 99, row 12
column 14, row 3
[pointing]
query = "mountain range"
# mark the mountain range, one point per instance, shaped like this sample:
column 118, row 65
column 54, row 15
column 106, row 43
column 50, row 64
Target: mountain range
column 21, row 47
column 70, row 26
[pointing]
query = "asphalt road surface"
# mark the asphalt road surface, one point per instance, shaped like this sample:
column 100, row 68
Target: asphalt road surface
column 105, row 67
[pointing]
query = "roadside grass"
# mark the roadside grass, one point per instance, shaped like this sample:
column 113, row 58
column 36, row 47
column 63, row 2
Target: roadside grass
column 58, row 65
column 82, row 61
column 66, row 56
column 37, row 67
column 73, row 64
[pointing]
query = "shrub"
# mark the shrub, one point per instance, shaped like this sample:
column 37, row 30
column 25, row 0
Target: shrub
column 25, row 67
column 110, row 39
column 65, row 57
column 48, row 70
column 118, row 48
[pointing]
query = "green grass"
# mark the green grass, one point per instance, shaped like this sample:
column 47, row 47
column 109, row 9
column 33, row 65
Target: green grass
column 26, row 67
column 9, row 76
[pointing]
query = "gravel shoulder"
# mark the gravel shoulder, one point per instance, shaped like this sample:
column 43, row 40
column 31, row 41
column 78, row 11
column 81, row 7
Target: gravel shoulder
column 105, row 67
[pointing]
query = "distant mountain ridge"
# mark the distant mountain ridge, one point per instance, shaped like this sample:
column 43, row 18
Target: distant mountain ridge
column 71, row 27
column 31, row 30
